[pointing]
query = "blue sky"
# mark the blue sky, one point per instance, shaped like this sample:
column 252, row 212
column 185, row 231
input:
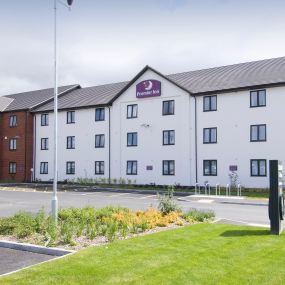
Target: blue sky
column 111, row 40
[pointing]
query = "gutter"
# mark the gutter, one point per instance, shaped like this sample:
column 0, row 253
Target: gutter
column 109, row 143
column 196, row 144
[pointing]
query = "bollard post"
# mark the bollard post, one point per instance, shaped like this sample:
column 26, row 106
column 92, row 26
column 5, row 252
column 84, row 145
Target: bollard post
column 209, row 189
column 227, row 189
column 239, row 190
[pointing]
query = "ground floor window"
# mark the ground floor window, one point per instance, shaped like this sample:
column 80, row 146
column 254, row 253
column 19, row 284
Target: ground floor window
column 210, row 167
column 258, row 167
column 44, row 168
column 70, row 167
column 132, row 167
column 12, row 167
column 99, row 167
column 168, row 167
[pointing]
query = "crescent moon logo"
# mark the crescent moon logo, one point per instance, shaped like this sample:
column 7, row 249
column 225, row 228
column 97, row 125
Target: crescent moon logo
column 148, row 86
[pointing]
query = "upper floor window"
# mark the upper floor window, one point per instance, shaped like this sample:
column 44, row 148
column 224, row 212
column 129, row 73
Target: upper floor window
column 209, row 135
column 210, row 103
column 99, row 167
column 44, row 144
column 132, row 139
column 258, row 133
column 258, row 167
column 169, row 137
column 70, row 167
column 100, row 114
column 12, row 167
column 210, row 167
column 13, row 144
column 99, row 141
column 258, row 98
column 168, row 167
column 132, row 111
column 70, row 142
column 70, row 119
column 168, row 107
column 13, row 121
column 44, row 168
column 44, row 119
column 132, row 167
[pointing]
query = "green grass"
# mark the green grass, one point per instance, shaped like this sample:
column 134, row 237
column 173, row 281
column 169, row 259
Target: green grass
column 203, row 254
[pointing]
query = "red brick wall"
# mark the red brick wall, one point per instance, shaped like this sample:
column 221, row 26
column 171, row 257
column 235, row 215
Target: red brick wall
column 23, row 155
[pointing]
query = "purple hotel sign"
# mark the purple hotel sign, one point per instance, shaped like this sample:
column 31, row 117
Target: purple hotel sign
column 148, row 88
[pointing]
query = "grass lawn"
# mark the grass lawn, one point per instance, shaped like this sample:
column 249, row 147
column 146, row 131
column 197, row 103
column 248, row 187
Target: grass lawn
column 202, row 254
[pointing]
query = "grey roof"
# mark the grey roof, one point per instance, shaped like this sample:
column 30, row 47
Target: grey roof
column 27, row 100
column 4, row 103
column 217, row 79
column 249, row 74
column 84, row 97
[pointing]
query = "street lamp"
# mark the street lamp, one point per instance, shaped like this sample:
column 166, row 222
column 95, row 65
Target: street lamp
column 54, row 201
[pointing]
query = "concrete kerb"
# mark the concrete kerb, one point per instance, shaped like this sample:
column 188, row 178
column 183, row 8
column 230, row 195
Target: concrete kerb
column 90, row 189
column 35, row 248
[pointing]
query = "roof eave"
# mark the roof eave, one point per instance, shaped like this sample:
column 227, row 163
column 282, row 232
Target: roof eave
column 147, row 67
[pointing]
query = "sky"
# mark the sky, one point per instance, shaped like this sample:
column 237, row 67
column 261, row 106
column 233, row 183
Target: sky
column 105, row 41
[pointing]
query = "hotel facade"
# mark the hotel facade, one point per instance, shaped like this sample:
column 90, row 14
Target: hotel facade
column 186, row 128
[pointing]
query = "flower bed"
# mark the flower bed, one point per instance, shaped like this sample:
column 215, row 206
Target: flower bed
column 81, row 227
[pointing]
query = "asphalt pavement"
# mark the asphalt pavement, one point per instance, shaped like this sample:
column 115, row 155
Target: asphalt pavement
column 12, row 260
column 241, row 210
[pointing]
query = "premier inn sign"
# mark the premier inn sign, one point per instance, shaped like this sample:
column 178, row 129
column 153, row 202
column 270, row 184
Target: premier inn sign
column 148, row 88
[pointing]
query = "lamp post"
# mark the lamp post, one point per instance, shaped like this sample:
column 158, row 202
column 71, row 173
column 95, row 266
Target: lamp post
column 54, row 201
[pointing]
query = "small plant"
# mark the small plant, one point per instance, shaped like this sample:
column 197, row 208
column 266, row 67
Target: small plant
column 167, row 203
column 198, row 216
column 115, row 180
column 129, row 181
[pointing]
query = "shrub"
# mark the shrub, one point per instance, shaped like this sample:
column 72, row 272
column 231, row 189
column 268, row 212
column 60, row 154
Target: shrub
column 198, row 216
column 167, row 203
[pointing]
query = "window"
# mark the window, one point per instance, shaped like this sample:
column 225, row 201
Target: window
column 168, row 137
column 257, row 133
column 168, row 167
column 44, row 119
column 70, row 142
column 210, row 103
column 132, row 167
column 99, row 167
column 12, row 167
column 210, row 135
column 70, row 117
column 258, row 167
column 13, row 144
column 70, row 167
column 210, row 167
column 168, row 107
column 13, row 121
column 44, row 168
column 99, row 141
column 258, row 98
column 132, row 139
column 132, row 111
column 100, row 114
column 44, row 144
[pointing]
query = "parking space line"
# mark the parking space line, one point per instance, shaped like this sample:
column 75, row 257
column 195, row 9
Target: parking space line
column 146, row 197
column 117, row 195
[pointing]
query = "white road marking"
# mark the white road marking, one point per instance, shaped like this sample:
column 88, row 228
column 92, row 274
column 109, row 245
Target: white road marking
column 206, row 201
column 146, row 197
column 118, row 194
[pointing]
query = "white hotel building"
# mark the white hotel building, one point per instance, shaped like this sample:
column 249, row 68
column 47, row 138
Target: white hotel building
column 182, row 129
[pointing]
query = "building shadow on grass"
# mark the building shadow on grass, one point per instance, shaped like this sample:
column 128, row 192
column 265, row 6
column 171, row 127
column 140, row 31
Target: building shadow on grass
column 240, row 233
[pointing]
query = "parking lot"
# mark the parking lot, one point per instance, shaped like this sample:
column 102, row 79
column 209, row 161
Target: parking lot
column 246, row 211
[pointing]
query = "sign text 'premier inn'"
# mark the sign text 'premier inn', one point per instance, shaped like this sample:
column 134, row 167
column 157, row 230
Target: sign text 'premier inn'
column 148, row 88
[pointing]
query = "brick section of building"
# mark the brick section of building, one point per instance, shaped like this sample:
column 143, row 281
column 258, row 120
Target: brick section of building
column 23, row 155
